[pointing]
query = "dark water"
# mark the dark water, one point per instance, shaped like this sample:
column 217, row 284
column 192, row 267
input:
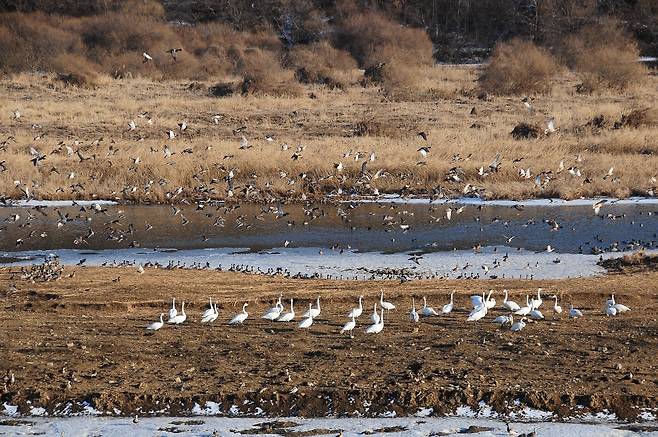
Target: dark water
column 363, row 227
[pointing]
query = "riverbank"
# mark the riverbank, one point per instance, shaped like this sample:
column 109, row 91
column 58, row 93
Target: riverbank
column 78, row 344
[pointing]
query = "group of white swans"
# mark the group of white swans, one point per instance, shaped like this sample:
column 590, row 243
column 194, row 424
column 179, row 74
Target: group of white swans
column 481, row 305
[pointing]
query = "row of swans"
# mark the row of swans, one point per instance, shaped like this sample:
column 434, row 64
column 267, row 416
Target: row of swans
column 481, row 306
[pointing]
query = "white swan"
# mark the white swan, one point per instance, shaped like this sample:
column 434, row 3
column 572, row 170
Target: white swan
column 535, row 314
column 510, row 304
column 240, row 317
column 375, row 315
column 308, row 321
column 156, row 325
column 518, row 326
column 574, row 313
column 172, row 311
column 557, row 309
column 610, row 310
column 386, row 305
column 289, row 316
column 212, row 316
column 536, row 303
column 376, row 327
column 502, row 320
column 477, row 301
column 524, row 311
column 447, row 308
column 349, row 326
column 313, row 312
column 477, row 313
column 427, row 311
column 413, row 315
column 356, row 312
column 180, row 318
column 621, row 308
column 490, row 302
column 209, row 312
column 274, row 312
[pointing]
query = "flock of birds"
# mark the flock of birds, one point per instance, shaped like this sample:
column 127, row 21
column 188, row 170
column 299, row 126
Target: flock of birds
column 481, row 305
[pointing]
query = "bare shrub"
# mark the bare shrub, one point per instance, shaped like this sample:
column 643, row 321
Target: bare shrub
column 519, row 67
column 604, row 56
column 262, row 74
column 321, row 63
column 372, row 38
column 75, row 70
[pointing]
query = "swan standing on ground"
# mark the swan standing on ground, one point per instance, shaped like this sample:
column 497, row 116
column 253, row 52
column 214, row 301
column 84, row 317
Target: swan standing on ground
column 621, row 308
column 211, row 317
column 490, row 302
column 427, row 311
column 180, row 318
column 535, row 314
column 413, row 315
column 375, row 315
column 313, row 312
column 156, row 325
column 524, row 311
column 574, row 313
column 274, row 312
column 209, row 312
column 240, row 317
column 518, row 326
column 308, row 321
column 557, row 309
column 536, row 303
column 172, row 311
column 447, row 308
column 385, row 305
column 287, row 317
column 510, row 304
column 349, row 326
column 356, row 312
column 376, row 327
column 477, row 301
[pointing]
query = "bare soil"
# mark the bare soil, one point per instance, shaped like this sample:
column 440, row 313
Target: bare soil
column 82, row 339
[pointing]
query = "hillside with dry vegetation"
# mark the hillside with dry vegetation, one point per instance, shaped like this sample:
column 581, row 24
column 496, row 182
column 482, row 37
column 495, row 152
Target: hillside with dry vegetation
column 137, row 101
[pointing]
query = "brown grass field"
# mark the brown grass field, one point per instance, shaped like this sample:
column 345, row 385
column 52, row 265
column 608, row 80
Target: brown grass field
column 464, row 133
column 82, row 338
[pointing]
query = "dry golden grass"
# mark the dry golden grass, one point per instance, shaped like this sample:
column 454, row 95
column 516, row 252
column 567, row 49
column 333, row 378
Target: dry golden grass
column 94, row 121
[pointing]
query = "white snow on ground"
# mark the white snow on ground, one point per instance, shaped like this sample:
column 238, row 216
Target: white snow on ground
column 308, row 260
column 225, row 426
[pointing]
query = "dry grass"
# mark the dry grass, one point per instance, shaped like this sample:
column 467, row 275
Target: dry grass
column 95, row 121
column 519, row 67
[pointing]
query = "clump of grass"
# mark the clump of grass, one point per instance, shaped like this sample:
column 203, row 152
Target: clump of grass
column 519, row 67
column 605, row 57
column 263, row 75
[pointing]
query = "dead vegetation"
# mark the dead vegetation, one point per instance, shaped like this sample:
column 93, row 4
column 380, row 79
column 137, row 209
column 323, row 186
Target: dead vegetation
column 633, row 263
column 91, row 151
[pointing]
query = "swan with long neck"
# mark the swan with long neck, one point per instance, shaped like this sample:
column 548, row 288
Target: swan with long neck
column 510, row 304
column 524, row 311
column 356, row 312
column 376, row 328
column 210, row 311
column 447, row 308
column 172, row 311
column 574, row 313
column 374, row 317
column 289, row 316
column 518, row 326
column 212, row 316
column 427, row 311
column 156, row 325
column 180, row 318
column 240, row 317
column 349, row 326
column 557, row 309
column 308, row 321
column 490, row 302
column 413, row 315
column 313, row 312
column 385, row 305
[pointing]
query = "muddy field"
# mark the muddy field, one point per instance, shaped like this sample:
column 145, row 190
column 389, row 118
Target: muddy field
column 81, row 340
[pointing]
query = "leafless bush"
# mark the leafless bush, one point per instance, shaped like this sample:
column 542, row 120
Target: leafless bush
column 519, row 67
column 321, row 63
